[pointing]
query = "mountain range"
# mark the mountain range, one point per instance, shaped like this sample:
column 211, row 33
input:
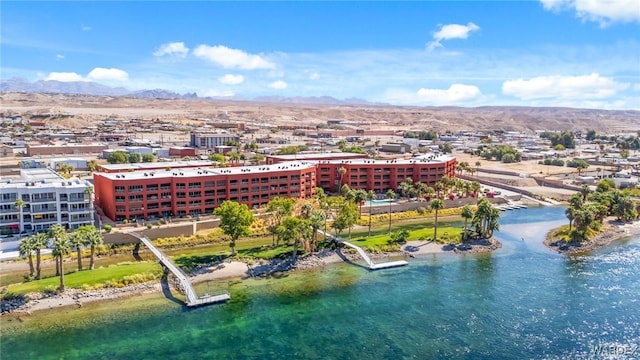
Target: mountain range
column 92, row 88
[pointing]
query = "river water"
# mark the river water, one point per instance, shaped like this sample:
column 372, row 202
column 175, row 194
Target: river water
column 520, row 302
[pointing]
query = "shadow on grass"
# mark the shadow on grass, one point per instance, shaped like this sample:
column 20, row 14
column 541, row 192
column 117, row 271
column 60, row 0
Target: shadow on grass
column 188, row 263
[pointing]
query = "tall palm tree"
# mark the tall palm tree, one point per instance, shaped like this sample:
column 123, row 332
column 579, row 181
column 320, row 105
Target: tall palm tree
column 26, row 250
column 20, row 204
column 420, row 189
column 93, row 238
column 478, row 164
column 436, row 205
column 76, row 239
column 39, row 241
column 429, row 192
column 316, row 219
column 359, row 196
column 390, row 195
column 61, row 248
column 370, row 196
column 342, row 170
column 467, row 214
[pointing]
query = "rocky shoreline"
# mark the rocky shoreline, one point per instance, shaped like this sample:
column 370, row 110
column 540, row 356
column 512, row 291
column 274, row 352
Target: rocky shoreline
column 613, row 231
column 27, row 304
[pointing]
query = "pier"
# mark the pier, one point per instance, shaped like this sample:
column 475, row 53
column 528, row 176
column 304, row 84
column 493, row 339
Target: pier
column 192, row 298
column 363, row 254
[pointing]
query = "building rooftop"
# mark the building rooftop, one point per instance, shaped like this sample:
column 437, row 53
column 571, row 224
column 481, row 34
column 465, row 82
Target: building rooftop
column 316, row 156
column 155, row 165
column 191, row 172
column 41, row 177
column 427, row 158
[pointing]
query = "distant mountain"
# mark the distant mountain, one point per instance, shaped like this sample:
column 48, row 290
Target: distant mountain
column 92, row 88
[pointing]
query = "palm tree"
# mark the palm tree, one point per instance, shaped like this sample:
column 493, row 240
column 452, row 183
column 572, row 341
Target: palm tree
column 420, row 189
column 39, row 241
column 359, row 196
column 370, row 196
column 570, row 212
column 585, row 191
column 26, row 250
column 390, row 195
column 76, row 240
column 20, row 204
column 61, row 248
column 342, row 170
column 93, row 238
column 436, row 205
column 316, row 219
column 467, row 214
column 478, row 164
column 428, row 193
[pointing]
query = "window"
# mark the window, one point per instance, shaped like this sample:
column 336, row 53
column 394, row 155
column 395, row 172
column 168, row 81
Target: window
column 194, row 185
column 195, row 194
column 135, row 188
column 152, row 187
column 119, row 188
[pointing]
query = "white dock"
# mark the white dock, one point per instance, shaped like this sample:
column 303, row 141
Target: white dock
column 363, row 254
column 192, row 298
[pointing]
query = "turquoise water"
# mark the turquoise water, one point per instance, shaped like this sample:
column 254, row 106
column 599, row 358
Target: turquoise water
column 378, row 202
column 521, row 302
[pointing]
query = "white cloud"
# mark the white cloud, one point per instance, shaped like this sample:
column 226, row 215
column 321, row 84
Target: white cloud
column 59, row 56
column 592, row 86
column 278, row 85
column 451, row 31
column 85, row 28
column 111, row 74
column 314, row 76
column 456, row 94
column 230, row 79
column 601, row 11
column 173, row 49
column 232, row 58
column 64, row 76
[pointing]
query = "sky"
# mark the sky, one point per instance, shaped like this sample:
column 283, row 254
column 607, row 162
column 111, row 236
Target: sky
column 570, row 53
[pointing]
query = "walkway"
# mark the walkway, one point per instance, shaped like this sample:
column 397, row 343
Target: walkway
column 363, row 254
column 192, row 298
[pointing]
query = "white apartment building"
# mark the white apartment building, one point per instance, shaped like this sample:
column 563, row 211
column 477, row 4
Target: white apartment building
column 48, row 199
column 210, row 140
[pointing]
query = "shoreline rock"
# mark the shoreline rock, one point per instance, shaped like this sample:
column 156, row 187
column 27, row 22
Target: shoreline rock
column 613, row 231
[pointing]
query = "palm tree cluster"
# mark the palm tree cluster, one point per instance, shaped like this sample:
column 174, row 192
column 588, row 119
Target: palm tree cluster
column 587, row 210
column 410, row 189
column 62, row 243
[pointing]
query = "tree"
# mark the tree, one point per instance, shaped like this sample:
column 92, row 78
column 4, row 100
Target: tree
column 92, row 166
column 400, row 236
column 585, row 191
column 217, row 157
column 148, row 158
column 134, row 158
column 39, row 242
column 467, row 214
column 61, row 248
column 346, row 218
column 486, row 218
column 370, row 196
column 342, row 170
column 406, row 188
column 291, row 230
column 26, row 250
column 234, row 156
column 436, row 205
column 316, row 219
column 118, row 157
column 279, row 209
column 258, row 159
column 20, row 204
column 359, row 196
column 390, row 195
column 76, row 240
column 235, row 221
column 421, row 189
column 91, row 237
column 570, row 212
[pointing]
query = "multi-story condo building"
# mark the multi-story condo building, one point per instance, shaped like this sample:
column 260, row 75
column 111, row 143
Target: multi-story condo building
column 47, row 199
column 182, row 192
column 382, row 175
column 194, row 191
column 210, row 140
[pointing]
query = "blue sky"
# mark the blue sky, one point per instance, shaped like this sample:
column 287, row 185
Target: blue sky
column 577, row 53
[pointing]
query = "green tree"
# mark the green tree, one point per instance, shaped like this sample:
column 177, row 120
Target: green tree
column 39, row 242
column 234, row 156
column 77, row 242
column 92, row 166
column 346, row 218
column 342, row 170
column 467, row 214
column 235, row 221
column 316, row 219
column 118, row 157
column 390, row 196
column 134, row 158
column 399, row 237
column 370, row 196
column 61, row 248
column 92, row 238
column 148, row 158
column 279, row 208
column 436, row 205
column 486, row 218
column 26, row 249
column 359, row 196
column 217, row 157
column 20, row 205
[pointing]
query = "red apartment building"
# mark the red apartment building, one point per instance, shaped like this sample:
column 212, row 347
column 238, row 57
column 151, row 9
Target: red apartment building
column 182, row 192
column 275, row 159
column 382, row 175
column 192, row 191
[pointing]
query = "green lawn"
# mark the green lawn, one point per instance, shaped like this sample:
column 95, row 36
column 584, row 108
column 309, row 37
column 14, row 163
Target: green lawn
column 78, row 279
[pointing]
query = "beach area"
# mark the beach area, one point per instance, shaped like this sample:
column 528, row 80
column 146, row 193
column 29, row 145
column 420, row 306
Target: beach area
column 233, row 269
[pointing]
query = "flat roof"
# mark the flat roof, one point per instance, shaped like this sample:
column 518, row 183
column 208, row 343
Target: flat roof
column 427, row 158
column 41, row 177
column 310, row 156
column 157, row 164
column 191, row 172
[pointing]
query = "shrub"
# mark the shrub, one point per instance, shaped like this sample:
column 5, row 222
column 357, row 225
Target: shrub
column 149, row 225
column 107, row 228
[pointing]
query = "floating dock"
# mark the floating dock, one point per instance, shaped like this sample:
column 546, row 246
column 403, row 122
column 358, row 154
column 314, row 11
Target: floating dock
column 363, row 254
